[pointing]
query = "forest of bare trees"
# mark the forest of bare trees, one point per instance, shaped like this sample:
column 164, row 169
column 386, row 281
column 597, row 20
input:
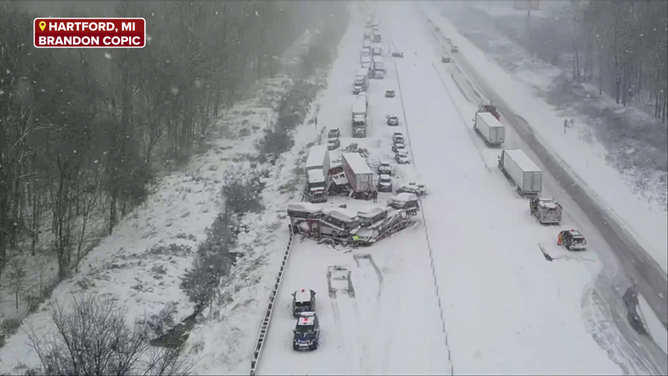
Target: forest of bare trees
column 84, row 132
column 622, row 47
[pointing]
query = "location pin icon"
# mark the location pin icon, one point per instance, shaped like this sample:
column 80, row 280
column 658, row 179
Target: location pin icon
column 42, row 25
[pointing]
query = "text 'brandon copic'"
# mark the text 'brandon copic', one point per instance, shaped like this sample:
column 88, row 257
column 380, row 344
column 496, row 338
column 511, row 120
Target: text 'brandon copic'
column 85, row 32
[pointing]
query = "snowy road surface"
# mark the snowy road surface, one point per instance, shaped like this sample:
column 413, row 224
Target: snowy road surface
column 385, row 318
column 502, row 299
column 648, row 276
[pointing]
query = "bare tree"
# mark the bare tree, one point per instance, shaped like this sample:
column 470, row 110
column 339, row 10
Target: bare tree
column 16, row 278
column 93, row 338
column 89, row 198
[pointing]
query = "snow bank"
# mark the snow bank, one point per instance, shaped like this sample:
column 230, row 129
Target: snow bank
column 587, row 161
column 141, row 263
column 653, row 324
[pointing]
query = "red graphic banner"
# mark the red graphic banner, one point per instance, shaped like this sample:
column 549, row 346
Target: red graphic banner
column 88, row 32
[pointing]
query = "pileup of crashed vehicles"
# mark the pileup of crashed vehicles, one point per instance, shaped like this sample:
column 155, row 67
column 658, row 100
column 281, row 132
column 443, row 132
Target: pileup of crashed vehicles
column 354, row 223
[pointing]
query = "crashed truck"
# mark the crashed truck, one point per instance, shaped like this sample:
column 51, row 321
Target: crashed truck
column 359, row 176
column 336, row 225
column 317, row 174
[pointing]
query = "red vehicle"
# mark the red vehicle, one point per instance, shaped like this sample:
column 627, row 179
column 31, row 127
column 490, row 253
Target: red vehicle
column 491, row 109
column 573, row 240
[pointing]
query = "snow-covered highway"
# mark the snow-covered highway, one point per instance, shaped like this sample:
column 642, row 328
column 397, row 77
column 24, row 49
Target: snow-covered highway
column 637, row 241
column 493, row 277
column 466, row 290
column 384, row 319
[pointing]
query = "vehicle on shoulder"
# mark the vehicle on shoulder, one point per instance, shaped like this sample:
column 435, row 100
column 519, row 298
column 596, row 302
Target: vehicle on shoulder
column 384, row 183
column 306, row 333
column 385, row 168
column 392, row 120
column 454, row 49
column 334, row 133
column 303, row 301
column 546, row 210
column 397, row 54
column 402, row 158
column 414, row 188
column 333, row 143
column 397, row 136
column 397, row 148
column 389, row 93
column 446, row 59
column 573, row 240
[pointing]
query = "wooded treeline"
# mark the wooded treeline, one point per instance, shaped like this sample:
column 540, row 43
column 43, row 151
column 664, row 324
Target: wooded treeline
column 83, row 131
column 622, row 47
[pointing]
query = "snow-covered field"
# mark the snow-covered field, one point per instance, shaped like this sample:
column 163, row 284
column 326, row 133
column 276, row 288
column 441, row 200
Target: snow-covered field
column 643, row 218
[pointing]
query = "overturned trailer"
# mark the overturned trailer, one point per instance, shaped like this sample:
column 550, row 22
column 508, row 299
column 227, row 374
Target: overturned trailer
column 336, row 225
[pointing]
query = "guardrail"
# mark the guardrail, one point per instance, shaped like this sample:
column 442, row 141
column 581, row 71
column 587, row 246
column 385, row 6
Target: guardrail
column 264, row 328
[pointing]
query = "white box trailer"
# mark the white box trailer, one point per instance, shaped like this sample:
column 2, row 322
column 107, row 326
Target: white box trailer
column 366, row 62
column 378, row 67
column 359, row 116
column 358, row 172
column 318, row 158
column 377, row 49
column 489, row 129
column 361, row 82
column 518, row 167
column 359, row 110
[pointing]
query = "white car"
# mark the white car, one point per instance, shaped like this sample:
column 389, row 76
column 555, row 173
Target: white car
column 385, row 168
column 398, row 136
column 385, row 183
column 333, row 143
column 402, row 158
column 398, row 148
column 392, row 120
column 414, row 188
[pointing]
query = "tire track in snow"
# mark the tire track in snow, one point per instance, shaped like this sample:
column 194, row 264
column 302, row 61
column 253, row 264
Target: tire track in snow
column 369, row 318
column 336, row 312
